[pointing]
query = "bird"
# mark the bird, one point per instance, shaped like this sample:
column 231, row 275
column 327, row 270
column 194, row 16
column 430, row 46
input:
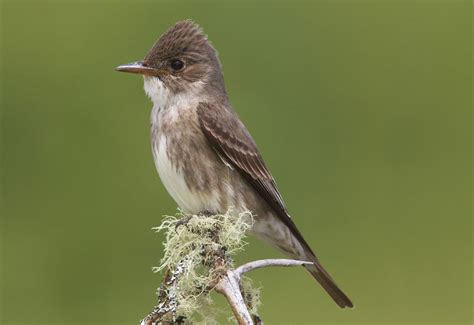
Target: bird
column 205, row 156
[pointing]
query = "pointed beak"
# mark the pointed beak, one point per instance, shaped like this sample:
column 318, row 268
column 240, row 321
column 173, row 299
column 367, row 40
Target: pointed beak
column 138, row 67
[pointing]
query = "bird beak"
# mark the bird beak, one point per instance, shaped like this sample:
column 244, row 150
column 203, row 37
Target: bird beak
column 138, row 67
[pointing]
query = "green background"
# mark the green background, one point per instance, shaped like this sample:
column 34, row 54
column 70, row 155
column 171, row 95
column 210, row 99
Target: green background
column 362, row 110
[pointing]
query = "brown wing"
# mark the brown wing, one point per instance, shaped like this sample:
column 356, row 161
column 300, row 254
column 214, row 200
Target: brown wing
column 232, row 141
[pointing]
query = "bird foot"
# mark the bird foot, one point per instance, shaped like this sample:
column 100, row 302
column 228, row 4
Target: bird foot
column 184, row 220
column 205, row 213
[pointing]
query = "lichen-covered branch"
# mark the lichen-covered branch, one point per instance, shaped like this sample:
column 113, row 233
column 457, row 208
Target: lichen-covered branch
column 197, row 260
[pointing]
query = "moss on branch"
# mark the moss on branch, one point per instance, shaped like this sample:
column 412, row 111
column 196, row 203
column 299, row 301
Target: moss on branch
column 197, row 253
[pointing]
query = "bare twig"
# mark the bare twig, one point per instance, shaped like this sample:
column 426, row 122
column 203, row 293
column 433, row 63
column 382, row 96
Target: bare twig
column 265, row 263
column 229, row 286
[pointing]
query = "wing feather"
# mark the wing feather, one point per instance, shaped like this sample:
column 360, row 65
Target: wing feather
column 231, row 140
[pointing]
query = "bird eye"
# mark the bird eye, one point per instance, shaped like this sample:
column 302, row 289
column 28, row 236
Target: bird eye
column 177, row 65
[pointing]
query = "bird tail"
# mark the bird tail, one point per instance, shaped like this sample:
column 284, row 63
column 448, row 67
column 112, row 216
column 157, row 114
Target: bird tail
column 328, row 284
column 290, row 241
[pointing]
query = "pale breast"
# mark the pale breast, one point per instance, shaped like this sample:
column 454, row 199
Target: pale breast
column 174, row 179
column 188, row 168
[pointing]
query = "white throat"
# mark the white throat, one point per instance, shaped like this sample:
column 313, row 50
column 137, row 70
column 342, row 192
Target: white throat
column 156, row 90
column 162, row 96
column 164, row 100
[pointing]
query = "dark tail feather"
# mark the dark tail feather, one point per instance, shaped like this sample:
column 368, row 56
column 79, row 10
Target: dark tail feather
column 325, row 280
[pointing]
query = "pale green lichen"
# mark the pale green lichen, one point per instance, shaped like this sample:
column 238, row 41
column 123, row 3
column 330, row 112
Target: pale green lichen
column 197, row 252
column 251, row 294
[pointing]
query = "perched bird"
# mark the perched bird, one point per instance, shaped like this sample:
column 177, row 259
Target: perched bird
column 205, row 156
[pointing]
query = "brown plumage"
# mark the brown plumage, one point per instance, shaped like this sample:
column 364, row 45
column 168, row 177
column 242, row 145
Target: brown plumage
column 183, row 37
column 204, row 154
column 234, row 142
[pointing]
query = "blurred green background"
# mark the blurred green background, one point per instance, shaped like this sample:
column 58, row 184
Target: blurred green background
column 362, row 110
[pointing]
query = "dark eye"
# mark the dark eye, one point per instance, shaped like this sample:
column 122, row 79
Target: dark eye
column 177, row 64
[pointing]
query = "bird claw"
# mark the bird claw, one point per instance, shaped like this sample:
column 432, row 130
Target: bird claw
column 205, row 213
column 182, row 222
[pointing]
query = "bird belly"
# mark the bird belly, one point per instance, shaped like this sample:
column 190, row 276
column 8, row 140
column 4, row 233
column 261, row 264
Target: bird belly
column 190, row 200
column 213, row 186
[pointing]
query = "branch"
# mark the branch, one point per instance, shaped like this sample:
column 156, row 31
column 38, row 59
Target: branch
column 229, row 286
column 250, row 266
column 198, row 259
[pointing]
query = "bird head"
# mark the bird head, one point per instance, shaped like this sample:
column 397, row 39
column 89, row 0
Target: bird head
column 181, row 60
